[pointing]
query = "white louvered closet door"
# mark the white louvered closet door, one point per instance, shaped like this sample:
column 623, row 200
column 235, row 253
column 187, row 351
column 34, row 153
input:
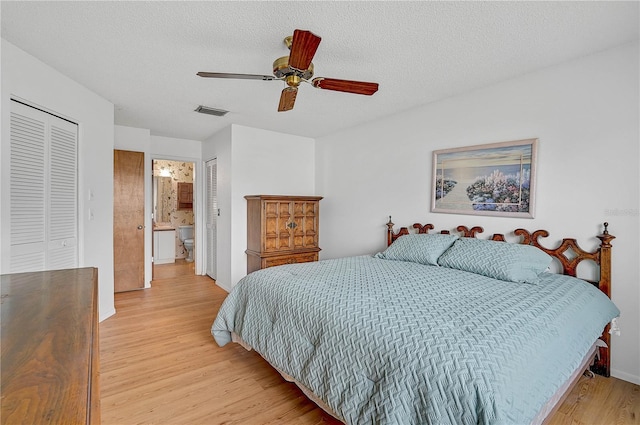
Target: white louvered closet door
column 211, row 216
column 43, row 191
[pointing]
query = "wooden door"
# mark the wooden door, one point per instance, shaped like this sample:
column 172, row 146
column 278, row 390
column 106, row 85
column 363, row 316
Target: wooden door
column 128, row 220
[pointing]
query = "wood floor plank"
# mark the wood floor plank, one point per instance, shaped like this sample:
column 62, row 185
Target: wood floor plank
column 160, row 365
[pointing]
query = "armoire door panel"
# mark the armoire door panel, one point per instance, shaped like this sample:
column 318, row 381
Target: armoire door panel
column 271, row 209
column 284, row 241
column 276, row 233
column 310, row 208
column 298, row 208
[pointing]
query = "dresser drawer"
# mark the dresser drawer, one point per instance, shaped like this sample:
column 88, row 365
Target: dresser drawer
column 289, row 259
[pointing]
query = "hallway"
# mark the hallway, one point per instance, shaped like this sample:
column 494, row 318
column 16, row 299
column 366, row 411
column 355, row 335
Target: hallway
column 166, row 271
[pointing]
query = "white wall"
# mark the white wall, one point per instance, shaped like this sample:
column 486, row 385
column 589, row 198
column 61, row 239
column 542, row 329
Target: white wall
column 25, row 77
column 253, row 162
column 586, row 116
column 172, row 147
column 157, row 147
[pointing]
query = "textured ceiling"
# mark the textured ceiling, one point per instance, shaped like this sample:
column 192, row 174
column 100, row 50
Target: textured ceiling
column 143, row 56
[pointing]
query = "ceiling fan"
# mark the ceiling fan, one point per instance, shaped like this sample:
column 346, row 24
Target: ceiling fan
column 297, row 68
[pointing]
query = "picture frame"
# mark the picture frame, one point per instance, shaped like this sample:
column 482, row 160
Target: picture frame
column 496, row 179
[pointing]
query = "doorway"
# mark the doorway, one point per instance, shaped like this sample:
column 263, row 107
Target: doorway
column 174, row 218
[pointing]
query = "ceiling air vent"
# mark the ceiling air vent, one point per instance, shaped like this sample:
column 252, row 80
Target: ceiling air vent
column 211, row 111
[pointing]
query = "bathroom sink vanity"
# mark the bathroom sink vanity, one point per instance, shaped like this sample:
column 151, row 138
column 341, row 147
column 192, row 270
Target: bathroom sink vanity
column 164, row 244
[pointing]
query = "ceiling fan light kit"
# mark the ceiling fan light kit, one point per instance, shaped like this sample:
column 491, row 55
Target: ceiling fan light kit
column 297, row 68
column 282, row 69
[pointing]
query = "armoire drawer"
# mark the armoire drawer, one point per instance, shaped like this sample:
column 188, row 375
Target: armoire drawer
column 289, row 259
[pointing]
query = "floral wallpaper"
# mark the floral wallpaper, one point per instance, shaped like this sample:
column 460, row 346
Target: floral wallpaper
column 168, row 204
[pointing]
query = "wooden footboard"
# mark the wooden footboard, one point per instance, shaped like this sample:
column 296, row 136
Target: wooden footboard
column 568, row 253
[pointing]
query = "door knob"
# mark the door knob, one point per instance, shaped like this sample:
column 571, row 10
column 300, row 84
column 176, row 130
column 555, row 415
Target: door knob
column 140, row 226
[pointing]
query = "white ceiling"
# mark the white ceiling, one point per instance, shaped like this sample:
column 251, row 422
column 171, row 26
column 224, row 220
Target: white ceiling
column 143, row 56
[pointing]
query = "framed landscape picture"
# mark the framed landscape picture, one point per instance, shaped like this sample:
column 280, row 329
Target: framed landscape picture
column 497, row 179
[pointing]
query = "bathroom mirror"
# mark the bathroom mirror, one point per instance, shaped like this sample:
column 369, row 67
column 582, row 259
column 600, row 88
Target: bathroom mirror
column 163, row 199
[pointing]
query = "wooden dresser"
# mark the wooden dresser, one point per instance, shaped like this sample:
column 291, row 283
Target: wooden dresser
column 281, row 230
column 50, row 355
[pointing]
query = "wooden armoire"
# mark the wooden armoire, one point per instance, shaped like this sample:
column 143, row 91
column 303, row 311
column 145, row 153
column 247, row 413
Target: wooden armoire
column 281, row 230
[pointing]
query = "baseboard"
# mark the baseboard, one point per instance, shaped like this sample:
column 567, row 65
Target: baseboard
column 625, row 376
column 223, row 287
column 107, row 314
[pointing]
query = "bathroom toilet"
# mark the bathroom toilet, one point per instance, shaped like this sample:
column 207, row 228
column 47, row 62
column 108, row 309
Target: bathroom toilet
column 185, row 233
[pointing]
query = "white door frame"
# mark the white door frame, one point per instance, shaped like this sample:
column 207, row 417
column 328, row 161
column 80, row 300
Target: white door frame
column 198, row 208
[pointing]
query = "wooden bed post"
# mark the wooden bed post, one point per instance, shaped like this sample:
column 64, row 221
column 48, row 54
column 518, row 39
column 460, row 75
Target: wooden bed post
column 389, row 231
column 605, row 260
column 602, row 366
column 391, row 236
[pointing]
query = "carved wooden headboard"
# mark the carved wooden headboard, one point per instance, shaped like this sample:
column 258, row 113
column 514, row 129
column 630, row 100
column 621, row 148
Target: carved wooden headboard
column 568, row 253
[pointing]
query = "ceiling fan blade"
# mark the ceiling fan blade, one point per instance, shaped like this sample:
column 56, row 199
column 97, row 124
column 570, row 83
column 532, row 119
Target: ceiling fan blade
column 237, row 76
column 348, row 86
column 303, row 47
column 287, row 99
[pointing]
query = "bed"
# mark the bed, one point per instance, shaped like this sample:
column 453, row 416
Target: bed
column 439, row 328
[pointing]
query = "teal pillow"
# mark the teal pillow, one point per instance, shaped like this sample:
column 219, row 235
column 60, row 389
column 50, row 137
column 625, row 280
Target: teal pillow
column 421, row 248
column 512, row 262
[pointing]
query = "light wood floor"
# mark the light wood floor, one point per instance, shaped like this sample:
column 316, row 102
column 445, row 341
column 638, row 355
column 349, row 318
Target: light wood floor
column 160, row 365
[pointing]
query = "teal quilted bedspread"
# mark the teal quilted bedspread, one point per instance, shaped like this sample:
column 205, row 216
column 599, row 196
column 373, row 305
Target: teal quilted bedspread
column 394, row 342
